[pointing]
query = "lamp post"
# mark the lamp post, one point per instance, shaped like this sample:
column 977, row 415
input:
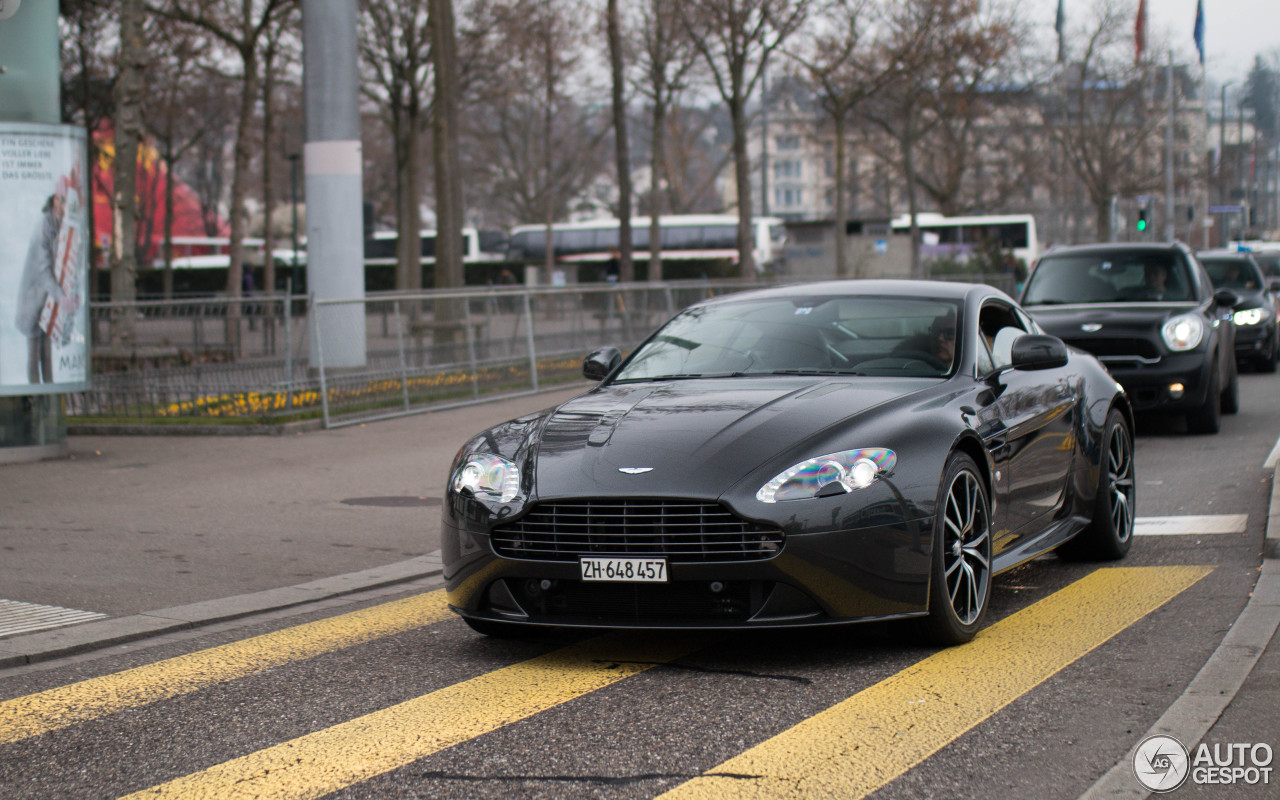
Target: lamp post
column 296, row 278
column 1224, row 233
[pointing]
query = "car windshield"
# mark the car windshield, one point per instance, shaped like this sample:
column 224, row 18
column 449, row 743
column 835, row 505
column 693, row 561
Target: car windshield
column 1108, row 277
column 1270, row 262
column 795, row 335
column 1230, row 272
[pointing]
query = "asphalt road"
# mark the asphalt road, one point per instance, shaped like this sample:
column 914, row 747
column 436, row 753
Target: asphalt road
column 389, row 696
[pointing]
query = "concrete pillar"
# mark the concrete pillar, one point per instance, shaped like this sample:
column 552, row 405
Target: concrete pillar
column 332, row 164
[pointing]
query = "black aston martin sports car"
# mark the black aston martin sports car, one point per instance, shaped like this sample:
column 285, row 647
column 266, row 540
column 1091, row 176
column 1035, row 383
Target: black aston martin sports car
column 804, row 455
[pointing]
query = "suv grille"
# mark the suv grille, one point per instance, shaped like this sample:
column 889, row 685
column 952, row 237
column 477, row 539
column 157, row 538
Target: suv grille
column 1104, row 347
column 679, row 530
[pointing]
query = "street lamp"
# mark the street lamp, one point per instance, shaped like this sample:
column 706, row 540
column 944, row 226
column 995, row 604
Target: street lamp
column 1223, row 234
column 293, row 179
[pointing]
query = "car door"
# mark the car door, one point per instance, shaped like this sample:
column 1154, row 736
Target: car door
column 1034, row 412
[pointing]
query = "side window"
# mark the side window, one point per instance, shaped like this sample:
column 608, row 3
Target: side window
column 1000, row 326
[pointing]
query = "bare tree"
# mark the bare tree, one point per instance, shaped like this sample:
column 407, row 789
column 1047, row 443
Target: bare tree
column 176, row 116
column 444, row 126
column 240, row 25
column 280, row 48
column 926, row 43
column 535, row 146
column 621, row 150
column 845, row 74
column 667, row 58
column 1101, row 116
column 88, row 82
column 130, row 94
column 980, row 44
column 735, row 38
column 395, row 46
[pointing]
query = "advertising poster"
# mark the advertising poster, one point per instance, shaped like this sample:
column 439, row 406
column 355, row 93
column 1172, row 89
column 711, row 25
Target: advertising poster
column 44, row 259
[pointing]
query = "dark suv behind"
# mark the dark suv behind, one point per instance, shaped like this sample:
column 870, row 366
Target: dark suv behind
column 1150, row 314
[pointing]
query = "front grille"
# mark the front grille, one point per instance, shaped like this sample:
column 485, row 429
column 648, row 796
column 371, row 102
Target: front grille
column 1119, row 347
column 678, row 530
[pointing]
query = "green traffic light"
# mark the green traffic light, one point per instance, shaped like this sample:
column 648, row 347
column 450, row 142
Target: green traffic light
column 1142, row 225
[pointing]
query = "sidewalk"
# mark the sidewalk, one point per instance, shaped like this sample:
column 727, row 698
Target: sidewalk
column 201, row 526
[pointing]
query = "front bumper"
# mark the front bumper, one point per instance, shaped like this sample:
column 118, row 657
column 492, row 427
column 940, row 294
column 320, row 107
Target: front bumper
column 817, row 578
column 1254, row 341
column 1150, row 386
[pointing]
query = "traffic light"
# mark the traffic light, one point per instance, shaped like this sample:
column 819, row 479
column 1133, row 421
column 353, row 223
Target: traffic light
column 1142, row 220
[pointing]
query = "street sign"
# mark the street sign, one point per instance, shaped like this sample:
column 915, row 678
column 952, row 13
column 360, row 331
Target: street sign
column 1224, row 209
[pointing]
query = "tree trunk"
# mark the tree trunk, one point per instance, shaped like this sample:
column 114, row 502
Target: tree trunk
column 449, row 214
column 742, row 175
column 169, row 203
column 622, row 152
column 843, row 267
column 268, row 185
column 129, row 95
column 239, row 191
column 657, row 194
column 409, row 218
column 913, row 207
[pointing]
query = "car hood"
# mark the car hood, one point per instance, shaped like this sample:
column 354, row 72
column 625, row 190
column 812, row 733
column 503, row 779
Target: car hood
column 1071, row 322
column 694, row 438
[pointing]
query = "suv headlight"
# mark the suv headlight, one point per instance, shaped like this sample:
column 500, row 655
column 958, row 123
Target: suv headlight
column 1250, row 316
column 836, row 473
column 488, row 475
column 1183, row 332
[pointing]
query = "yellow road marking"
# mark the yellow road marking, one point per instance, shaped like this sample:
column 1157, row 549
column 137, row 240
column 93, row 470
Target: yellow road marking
column 331, row 759
column 862, row 743
column 38, row 713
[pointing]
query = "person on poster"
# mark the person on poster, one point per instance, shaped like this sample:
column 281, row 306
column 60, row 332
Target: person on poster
column 40, row 282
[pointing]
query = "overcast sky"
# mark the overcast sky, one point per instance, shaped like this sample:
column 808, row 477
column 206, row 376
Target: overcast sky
column 1235, row 30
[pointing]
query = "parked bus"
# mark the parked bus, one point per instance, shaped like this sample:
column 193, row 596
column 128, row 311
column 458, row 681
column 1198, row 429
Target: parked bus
column 946, row 237
column 482, row 250
column 691, row 243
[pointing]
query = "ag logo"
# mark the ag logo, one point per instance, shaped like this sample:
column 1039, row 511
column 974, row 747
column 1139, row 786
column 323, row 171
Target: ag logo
column 1160, row 763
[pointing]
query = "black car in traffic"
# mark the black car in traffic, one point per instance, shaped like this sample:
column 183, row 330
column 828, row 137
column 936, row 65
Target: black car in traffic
column 807, row 455
column 1150, row 313
column 1257, row 342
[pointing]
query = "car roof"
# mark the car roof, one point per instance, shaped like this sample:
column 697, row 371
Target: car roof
column 874, row 287
column 1234, row 254
column 1124, row 247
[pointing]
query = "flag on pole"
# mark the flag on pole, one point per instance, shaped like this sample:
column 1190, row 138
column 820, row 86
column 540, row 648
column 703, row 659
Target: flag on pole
column 1198, row 33
column 1060, row 25
column 1140, row 32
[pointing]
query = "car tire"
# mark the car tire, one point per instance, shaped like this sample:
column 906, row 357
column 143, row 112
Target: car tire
column 1208, row 417
column 1268, row 362
column 1231, row 395
column 1110, row 532
column 960, row 577
column 496, row 630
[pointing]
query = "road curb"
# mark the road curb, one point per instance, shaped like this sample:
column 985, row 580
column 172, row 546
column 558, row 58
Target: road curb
column 1216, row 685
column 1271, row 546
column 46, row 645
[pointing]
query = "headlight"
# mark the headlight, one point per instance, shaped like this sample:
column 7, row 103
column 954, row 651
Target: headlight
column 486, row 474
column 1183, row 333
column 837, row 473
column 1250, row 316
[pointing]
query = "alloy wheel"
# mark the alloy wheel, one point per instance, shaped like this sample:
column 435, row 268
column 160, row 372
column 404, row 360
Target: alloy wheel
column 1120, row 480
column 966, row 555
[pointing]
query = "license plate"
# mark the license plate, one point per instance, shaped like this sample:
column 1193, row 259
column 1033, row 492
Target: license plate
column 625, row 570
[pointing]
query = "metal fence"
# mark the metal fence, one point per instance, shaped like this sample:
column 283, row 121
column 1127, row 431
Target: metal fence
column 268, row 361
column 263, row 360
column 441, row 349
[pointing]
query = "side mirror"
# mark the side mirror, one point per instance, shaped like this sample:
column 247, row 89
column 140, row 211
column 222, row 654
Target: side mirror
column 1273, row 284
column 1039, row 351
column 1226, row 298
column 599, row 363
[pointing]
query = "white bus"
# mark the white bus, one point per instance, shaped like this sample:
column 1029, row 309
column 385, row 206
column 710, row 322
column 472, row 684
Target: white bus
column 944, row 237
column 692, row 237
column 478, row 246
